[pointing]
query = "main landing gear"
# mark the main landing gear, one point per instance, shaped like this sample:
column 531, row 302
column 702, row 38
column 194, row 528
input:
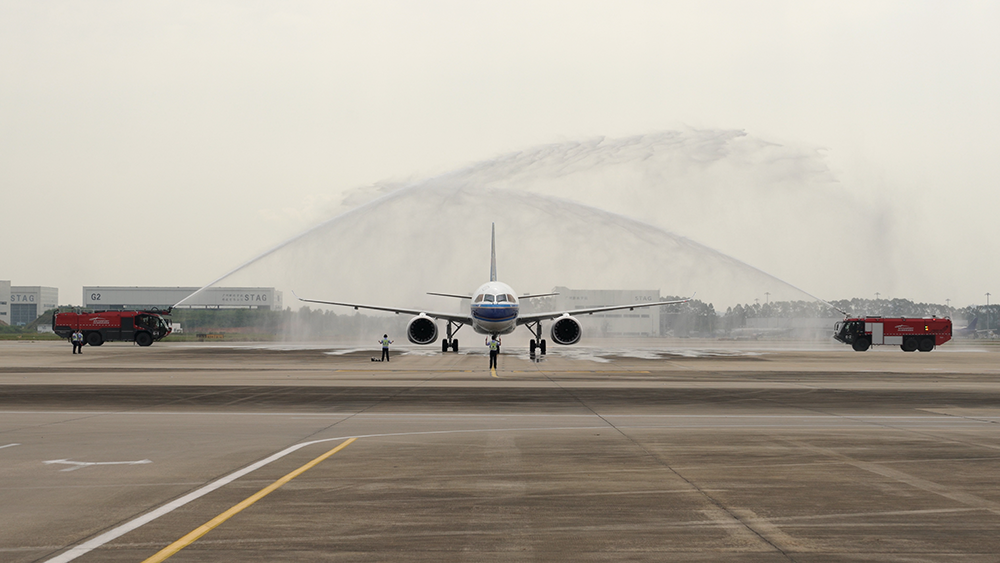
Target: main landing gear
column 537, row 343
column 450, row 342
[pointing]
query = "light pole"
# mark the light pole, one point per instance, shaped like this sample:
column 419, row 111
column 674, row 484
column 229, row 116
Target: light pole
column 767, row 297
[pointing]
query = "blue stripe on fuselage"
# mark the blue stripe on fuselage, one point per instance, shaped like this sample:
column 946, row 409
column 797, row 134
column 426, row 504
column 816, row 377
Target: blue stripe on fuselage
column 494, row 313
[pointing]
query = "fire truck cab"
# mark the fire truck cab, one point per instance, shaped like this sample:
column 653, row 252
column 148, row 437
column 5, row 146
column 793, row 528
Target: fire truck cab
column 909, row 334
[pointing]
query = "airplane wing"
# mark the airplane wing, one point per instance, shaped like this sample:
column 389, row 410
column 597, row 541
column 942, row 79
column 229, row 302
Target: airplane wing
column 455, row 295
column 533, row 317
column 454, row 317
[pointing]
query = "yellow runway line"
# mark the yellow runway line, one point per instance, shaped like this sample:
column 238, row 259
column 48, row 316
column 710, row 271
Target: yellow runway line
column 187, row 540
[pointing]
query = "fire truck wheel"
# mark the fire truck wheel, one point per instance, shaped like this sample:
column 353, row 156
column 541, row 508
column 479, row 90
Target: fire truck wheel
column 909, row 345
column 926, row 345
column 94, row 339
column 143, row 339
column 861, row 344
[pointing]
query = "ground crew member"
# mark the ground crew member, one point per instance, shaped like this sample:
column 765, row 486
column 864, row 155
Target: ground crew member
column 77, row 339
column 385, row 342
column 494, row 344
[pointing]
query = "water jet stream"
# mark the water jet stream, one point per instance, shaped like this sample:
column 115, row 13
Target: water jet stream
column 425, row 234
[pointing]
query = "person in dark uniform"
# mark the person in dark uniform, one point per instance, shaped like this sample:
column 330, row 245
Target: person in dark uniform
column 77, row 339
column 494, row 344
column 385, row 342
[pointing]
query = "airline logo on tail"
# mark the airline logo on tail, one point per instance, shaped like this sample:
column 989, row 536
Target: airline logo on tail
column 493, row 253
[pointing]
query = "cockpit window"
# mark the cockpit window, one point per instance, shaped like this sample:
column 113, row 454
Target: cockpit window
column 479, row 298
column 501, row 298
column 511, row 298
column 489, row 298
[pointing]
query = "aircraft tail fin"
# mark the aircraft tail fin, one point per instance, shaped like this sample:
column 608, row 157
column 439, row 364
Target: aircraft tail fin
column 493, row 254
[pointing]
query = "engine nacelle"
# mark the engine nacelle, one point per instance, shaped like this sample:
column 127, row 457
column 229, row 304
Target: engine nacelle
column 422, row 330
column 566, row 330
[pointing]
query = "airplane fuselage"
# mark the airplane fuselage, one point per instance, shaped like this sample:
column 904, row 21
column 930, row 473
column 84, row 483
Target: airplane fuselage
column 494, row 308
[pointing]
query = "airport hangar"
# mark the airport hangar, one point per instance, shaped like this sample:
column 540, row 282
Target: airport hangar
column 116, row 298
column 642, row 323
column 21, row 304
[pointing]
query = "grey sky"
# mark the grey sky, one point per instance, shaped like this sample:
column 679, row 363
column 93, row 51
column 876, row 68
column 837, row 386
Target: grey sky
column 162, row 143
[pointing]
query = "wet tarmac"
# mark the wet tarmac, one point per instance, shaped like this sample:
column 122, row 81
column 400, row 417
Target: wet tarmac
column 706, row 451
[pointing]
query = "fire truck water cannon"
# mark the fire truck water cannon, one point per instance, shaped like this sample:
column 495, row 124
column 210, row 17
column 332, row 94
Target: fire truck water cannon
column 922, row 334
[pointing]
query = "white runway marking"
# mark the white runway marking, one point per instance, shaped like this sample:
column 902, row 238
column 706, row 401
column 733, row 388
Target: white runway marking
column 9, row 446
column 114, row 533
column 81, row 464
column 140, row 521
column 127, row 527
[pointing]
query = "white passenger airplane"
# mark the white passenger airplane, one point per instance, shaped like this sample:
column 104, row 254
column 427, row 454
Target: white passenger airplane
column 494, row 311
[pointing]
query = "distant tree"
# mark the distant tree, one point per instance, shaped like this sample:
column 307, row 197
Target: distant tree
column 694, row 318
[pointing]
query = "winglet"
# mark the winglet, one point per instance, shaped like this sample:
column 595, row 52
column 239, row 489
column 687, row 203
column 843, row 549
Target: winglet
column 493, row 253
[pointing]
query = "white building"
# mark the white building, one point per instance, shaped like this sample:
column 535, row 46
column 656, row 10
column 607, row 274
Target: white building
column 643, row 322
column 149, row 298
column 22, row 304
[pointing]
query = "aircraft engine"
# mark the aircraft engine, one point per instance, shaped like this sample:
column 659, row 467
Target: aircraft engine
column 566, row 330
column 422, row 330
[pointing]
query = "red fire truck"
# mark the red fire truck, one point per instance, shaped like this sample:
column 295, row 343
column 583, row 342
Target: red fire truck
column 908, row 334
column 141, row 327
